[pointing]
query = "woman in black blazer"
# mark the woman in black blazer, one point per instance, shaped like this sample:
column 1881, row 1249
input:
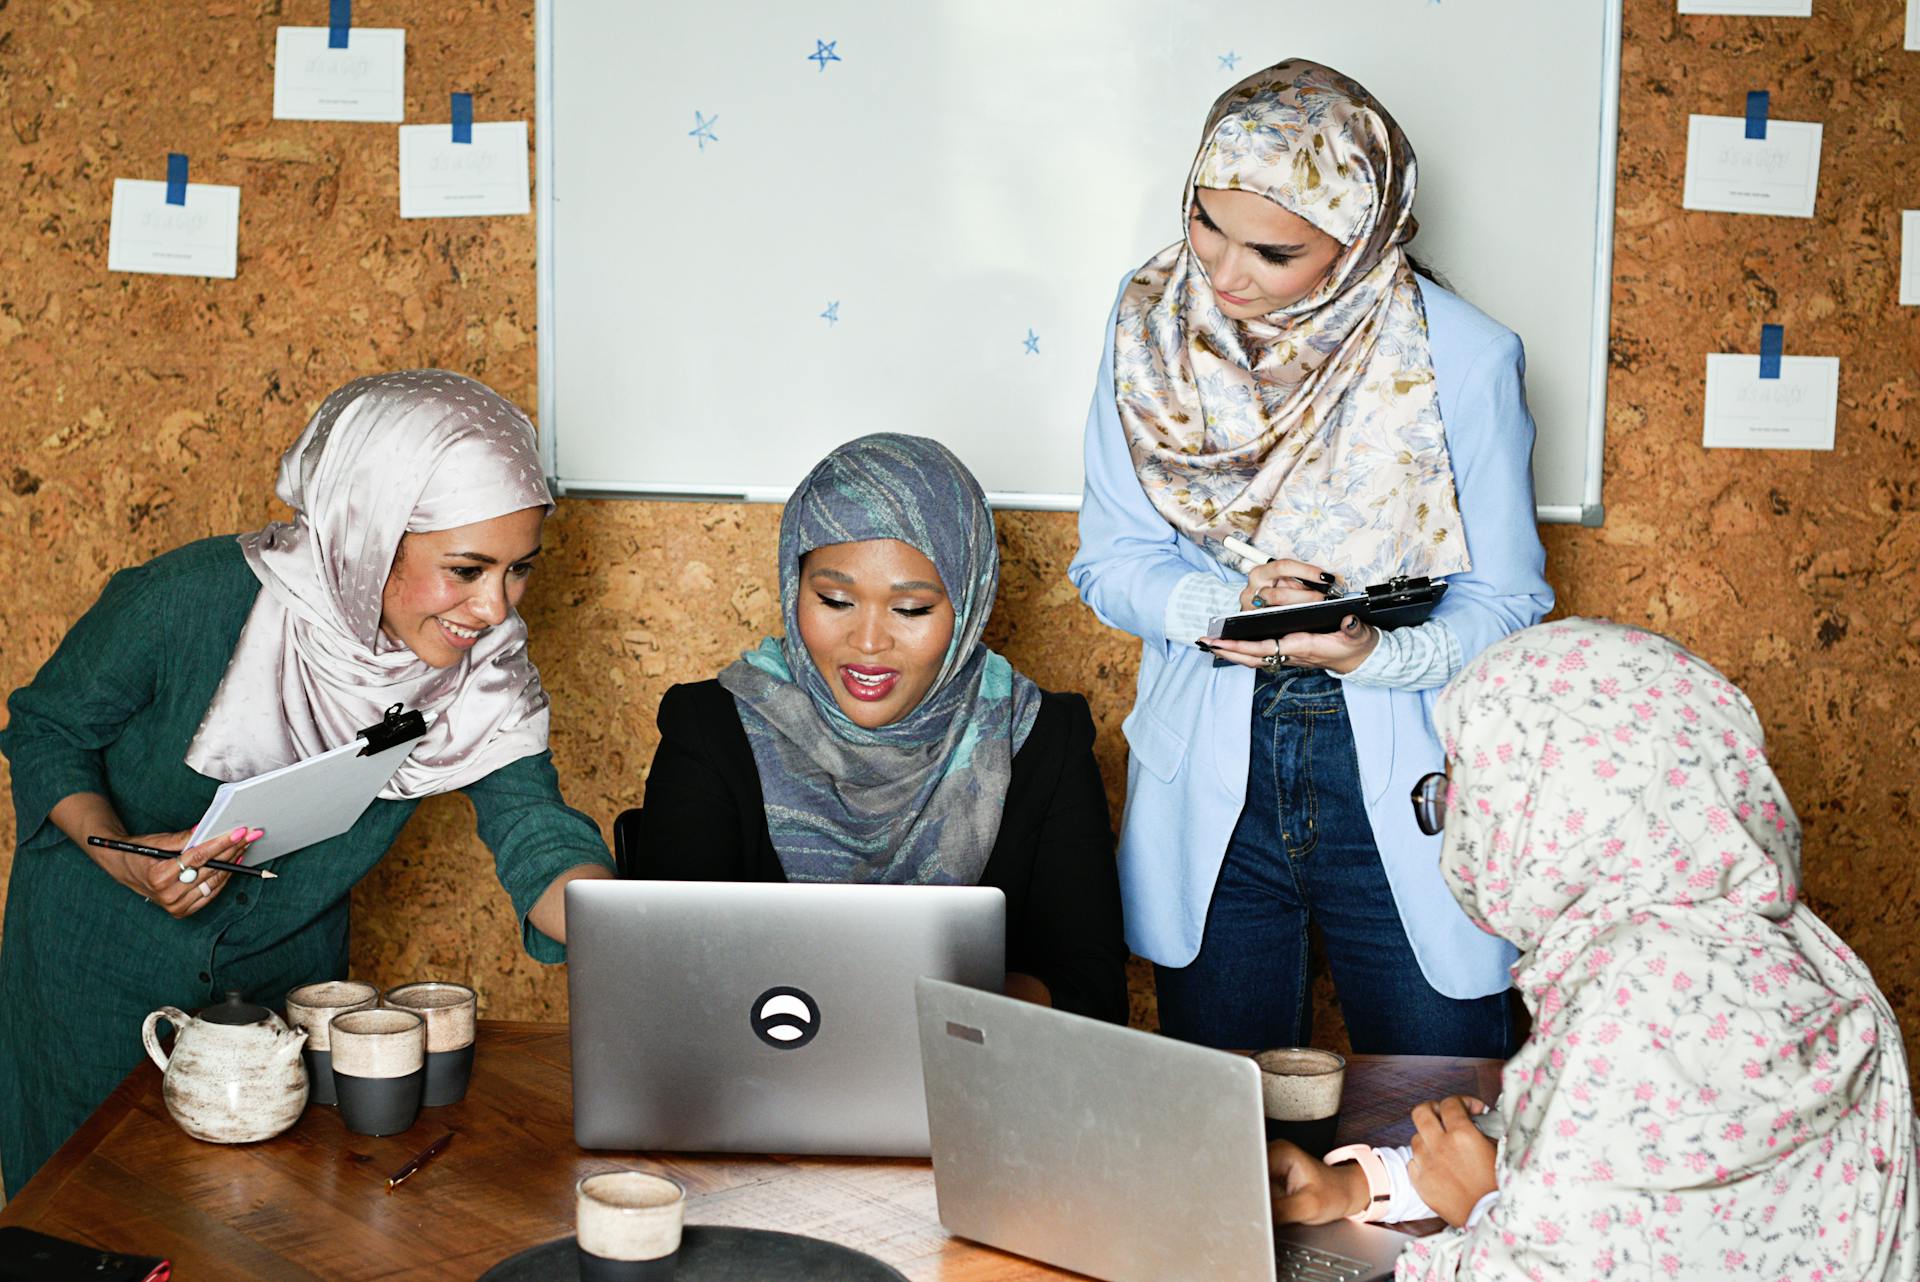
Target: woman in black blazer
column 880, row 741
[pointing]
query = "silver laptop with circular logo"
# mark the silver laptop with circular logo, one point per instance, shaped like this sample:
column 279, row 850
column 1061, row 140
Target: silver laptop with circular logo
column 763, row 1017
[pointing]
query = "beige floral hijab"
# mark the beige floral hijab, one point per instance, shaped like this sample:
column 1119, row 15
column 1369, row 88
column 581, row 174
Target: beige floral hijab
column 1313, row 432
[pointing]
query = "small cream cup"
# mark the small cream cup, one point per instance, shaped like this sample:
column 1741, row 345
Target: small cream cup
column 627, row 1226
column 1300, row 1087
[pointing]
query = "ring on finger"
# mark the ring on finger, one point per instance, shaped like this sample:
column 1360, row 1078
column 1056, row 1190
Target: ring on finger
column 187, row 875
column 1273, row 661
column 205, row 890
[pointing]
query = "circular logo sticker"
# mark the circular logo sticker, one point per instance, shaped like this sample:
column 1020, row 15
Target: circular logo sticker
column 785, row 1018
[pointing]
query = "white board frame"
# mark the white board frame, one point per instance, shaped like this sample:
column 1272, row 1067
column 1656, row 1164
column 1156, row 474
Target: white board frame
column 1590, row 511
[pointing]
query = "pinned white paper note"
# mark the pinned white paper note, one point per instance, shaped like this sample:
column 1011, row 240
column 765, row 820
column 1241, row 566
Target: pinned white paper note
column 1913, row 24
column 1792, row 412
column 1763, row 8
column 367, row 80
column 441, row 178
column 199, row 238
column 1730, row 173
column 1910, row 258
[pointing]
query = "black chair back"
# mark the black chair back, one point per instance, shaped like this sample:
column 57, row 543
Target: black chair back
column 626, row 844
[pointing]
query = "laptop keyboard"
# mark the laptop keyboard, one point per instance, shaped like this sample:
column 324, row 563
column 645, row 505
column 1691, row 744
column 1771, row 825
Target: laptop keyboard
column 1304, row 1264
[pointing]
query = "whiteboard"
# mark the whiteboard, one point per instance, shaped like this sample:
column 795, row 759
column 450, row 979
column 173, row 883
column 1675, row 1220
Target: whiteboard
column 766, row 228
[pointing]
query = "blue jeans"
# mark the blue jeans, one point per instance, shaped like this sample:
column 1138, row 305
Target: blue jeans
column 1303, row 851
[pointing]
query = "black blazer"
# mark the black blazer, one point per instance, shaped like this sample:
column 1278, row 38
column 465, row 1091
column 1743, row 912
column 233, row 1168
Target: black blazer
column 704, row 819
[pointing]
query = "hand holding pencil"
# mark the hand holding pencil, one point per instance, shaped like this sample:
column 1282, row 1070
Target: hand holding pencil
column 181, row 879
column 1282, row 581
column 1278, row 580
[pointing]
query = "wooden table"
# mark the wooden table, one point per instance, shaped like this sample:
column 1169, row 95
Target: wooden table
column 312, row 1203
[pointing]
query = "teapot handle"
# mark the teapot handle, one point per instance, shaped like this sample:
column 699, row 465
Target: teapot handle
column 173, row 1015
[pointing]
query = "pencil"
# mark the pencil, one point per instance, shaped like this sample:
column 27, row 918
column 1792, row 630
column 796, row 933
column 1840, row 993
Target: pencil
column 154, row 852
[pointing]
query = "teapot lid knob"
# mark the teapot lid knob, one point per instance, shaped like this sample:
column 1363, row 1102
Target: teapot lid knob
column 235, row 1010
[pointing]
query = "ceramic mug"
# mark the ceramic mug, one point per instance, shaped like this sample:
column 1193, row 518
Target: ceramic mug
column 627, row 1226
column 312, row 1007
column 379, row 1068
column 1300, row 1088
column 449, row 1010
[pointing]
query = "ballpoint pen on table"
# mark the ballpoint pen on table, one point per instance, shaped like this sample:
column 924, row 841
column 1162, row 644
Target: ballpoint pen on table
column 419, row 1160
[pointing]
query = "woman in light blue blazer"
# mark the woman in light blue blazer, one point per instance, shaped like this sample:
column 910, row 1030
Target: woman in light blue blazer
column 1282, row 377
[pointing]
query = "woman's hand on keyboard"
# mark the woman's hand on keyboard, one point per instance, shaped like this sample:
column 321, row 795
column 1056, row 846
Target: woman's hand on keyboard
column 1307, row 1191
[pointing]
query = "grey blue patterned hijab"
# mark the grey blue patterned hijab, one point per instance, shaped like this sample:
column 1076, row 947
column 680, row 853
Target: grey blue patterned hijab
column 918, row 800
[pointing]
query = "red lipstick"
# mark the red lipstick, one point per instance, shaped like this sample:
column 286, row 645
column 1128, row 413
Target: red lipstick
column 868, row 683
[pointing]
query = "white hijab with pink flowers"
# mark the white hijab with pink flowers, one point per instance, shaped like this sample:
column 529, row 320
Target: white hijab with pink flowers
column 1714, row 1086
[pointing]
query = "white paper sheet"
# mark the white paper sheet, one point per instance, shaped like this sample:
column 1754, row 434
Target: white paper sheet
column 199, row 238
column 1763, row 8
column 365, row 81
column 441, row 178
column 1730, row 173
column 309, row 801
column 1793, row 412
column 1910, row 258
column 1913, row 24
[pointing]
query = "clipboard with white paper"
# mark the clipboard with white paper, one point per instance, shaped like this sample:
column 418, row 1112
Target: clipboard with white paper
column 317, row 797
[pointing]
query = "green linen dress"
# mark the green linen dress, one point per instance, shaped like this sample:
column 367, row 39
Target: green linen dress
column 83, row 959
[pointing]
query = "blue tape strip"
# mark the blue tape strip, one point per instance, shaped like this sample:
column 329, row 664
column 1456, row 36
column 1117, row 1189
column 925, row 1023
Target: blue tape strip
column 339, row 20
column 176, row 178
column 463, row 117
column 1757, row 113
column 1772, row 339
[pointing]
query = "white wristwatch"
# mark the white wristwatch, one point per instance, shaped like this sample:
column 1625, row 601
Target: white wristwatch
column 1379, row 1183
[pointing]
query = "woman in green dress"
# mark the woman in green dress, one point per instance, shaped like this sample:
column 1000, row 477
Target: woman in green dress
column 418, row 503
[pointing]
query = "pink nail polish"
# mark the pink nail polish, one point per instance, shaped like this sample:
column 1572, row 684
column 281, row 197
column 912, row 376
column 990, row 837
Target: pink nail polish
column 238, row 834
column 256, row 834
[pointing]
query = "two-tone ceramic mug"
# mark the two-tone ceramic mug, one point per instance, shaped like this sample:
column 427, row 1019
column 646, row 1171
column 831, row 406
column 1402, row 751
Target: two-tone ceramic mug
column 312, row 1007
column 379, row 1068
column 450, row 1011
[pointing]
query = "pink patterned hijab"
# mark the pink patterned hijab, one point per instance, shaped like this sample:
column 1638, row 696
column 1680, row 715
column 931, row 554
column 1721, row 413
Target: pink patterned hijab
column 385, row 455
column 1313, row 432
column 1714, row 1087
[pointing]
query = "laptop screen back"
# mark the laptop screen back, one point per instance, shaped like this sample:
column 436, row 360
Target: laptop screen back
column 763, row 1017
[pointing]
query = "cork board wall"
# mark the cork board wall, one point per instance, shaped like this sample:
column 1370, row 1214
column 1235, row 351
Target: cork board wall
column 142, row 412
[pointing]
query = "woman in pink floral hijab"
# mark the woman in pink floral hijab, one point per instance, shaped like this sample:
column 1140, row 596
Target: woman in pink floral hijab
column 1714, row 1086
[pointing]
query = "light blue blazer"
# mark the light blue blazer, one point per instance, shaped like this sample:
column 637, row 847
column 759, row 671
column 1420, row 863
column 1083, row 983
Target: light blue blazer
column 1188, row 733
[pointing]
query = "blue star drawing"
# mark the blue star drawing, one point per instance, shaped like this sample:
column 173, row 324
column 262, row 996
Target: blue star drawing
column 832, row 315
column 1229, row 60
column 702, row 131
column 1032, row 342
column 823, row 52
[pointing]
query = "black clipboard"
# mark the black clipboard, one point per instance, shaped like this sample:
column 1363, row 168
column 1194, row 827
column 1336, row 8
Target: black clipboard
column 397, row 726
column 1397, row 603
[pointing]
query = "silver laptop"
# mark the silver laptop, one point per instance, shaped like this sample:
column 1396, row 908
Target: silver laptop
column 1119, row 1154
column 763, row 1017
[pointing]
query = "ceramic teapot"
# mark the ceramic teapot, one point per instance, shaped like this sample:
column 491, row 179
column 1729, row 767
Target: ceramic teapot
column 235, row 1073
